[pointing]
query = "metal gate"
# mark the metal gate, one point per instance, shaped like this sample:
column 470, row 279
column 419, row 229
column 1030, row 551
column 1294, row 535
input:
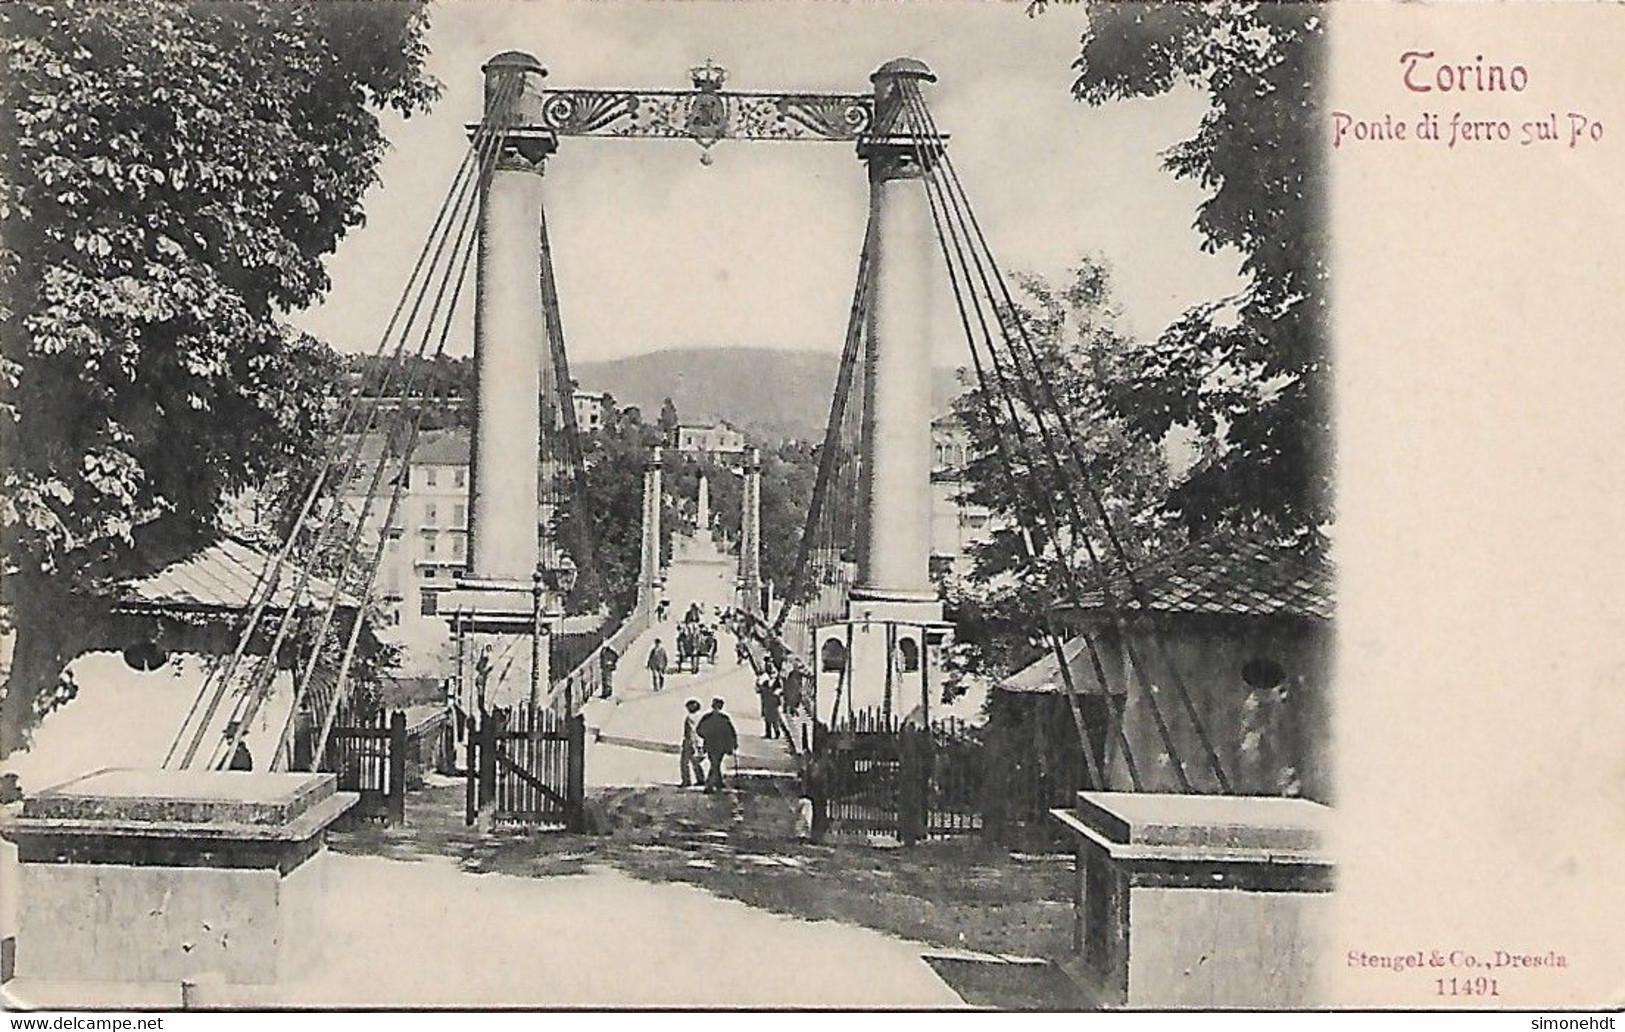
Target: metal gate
column 367, row 751
column 526, row 766
column 872, row 774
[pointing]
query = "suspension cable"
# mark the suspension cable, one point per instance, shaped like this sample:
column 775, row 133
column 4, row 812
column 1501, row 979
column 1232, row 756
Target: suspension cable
column 837, row 411
column 926, row 161
column 259, row 681
column 270, row 575
column 964, row 210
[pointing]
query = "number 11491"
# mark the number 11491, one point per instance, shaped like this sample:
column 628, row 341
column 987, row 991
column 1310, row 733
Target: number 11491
column 1479, row 986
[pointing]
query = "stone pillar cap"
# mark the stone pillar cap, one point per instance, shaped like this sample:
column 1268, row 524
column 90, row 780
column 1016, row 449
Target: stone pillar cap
column 515, row 59
column 904, row 68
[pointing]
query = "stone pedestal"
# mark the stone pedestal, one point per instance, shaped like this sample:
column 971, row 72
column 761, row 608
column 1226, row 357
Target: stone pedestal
column 1198, row 901
column 155, row 877
column 500, row 632
column 884, row 656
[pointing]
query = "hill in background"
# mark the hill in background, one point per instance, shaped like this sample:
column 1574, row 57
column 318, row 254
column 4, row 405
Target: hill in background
column 771, row 393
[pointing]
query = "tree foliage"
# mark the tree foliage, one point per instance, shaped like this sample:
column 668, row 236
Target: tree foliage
column 1251, row 374
column 615, row 457
column 174, row 176
column 1034, row 486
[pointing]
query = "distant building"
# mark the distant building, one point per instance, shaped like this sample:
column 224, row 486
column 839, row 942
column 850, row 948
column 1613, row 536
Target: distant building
column 590, row 408
column 956, row 524
column 427, row 543
column 709, row 439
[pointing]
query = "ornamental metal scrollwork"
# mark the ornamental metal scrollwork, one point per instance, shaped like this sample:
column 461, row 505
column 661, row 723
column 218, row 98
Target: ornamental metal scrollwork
column 707, row 115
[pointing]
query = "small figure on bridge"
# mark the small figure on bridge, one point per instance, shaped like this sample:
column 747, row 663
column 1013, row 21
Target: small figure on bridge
column 607, row 658
column 795, row 686
column 657, row 666
column 688, row 758
column 716, row 730
column 660, row 609
column 767, row 687
column 241, row 758
column 693, row 614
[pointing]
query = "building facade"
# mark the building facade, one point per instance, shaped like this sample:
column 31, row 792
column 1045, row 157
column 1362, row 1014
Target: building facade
column 427, row 545
column 590, row 407
column 957, row 525
column 709, row 439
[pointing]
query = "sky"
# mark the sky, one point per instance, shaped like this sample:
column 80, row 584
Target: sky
column 654, row 250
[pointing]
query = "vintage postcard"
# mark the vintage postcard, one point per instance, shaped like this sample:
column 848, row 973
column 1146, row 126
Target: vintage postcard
column 1065, row 506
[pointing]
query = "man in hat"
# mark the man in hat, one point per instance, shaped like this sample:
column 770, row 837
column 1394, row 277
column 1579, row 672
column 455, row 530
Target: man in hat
column 657, row 666
column 717, row 733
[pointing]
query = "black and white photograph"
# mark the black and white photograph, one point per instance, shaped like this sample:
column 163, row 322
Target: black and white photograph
column 770, row 505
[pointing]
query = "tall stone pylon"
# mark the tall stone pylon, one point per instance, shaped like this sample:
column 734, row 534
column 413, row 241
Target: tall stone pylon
column 750, row 534
column 880, row 654
column 649, row 580
column 510, row 331
column 501, row 596
column 702, row 517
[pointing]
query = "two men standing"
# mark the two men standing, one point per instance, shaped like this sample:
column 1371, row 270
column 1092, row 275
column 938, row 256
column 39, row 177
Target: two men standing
column 718, row 737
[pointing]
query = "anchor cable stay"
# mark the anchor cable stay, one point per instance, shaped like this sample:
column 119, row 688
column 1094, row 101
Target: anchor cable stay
column 1032, row 382
column 954, row 259
column 255, row 697
column 408, row 425
column 822, row 506
column 1080, row 466
column 269, row 579
column 336, row 468
column 1009, row 381
column 1038, row 400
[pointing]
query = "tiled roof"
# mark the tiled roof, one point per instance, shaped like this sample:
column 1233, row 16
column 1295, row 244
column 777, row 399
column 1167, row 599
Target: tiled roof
column 1044, row 675
column 442, row 448
column 434, row 447
column 221, row 577
column 1227, row 575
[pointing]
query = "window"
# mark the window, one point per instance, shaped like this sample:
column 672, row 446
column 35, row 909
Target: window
column 908, row 655
column 429, row 538
column 459, row 477
column 429, row 602
column 459, row 547
column 431, row 513
column 459, row 515
column 1262, row 674
column 430, row 474
column 430, row 573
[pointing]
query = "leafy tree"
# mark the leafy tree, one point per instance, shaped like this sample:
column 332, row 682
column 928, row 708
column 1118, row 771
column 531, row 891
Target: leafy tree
column 1082, row 358
column 174, row 176
column 615, row 458
column 668, row 421
column 1251, row 374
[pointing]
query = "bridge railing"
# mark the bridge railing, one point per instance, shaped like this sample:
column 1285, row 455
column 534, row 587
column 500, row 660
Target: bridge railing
column 585, row 681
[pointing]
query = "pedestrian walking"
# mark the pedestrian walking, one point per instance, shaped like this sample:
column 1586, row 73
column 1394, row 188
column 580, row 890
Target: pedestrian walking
column 688, row 757
column 769, row 691
column 720, row 739
column 795, row 686
column 657, row 666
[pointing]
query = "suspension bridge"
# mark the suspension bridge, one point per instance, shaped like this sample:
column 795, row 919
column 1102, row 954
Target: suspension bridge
column 534, row 633
column 528, row 616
